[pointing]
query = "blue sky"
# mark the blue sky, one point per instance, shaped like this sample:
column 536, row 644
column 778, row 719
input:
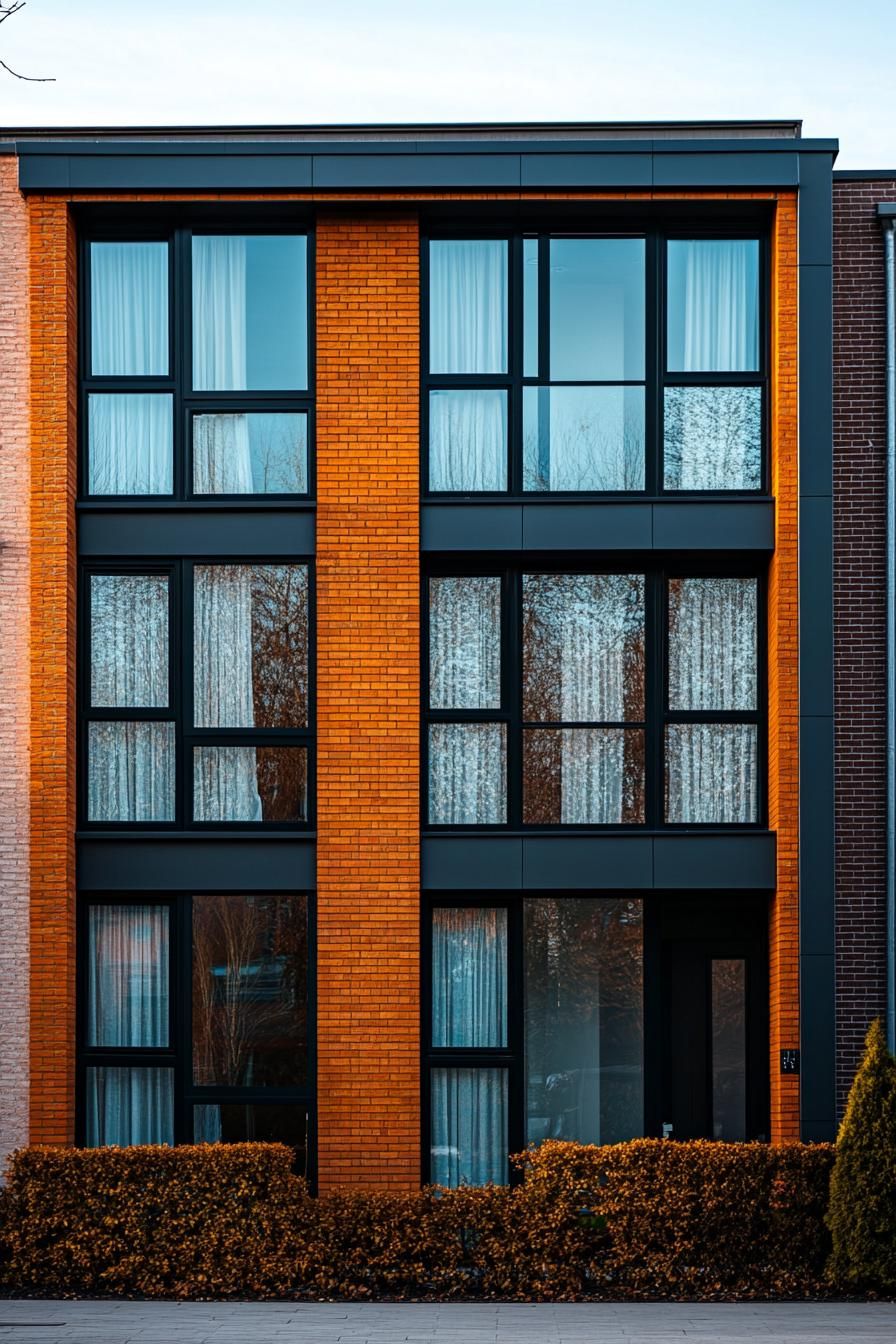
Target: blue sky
column 121, row 62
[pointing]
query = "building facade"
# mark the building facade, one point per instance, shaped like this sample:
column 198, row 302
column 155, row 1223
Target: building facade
column 421, row 552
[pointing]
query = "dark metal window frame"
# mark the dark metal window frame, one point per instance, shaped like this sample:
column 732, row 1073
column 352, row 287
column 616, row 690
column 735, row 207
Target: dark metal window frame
column 188, row 402
column 656, row 711
column 178, row 1053
column 180, row 709
column 656, row 380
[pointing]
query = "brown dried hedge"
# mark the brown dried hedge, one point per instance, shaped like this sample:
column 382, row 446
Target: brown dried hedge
column 636, row 1220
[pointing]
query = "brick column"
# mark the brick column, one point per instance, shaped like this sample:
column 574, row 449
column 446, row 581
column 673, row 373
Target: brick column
column 368, row 712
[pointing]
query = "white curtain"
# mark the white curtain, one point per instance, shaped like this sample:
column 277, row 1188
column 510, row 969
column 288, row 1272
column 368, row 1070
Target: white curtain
column 465, row 642
column 469, row 977
column 130, row 443
column 207, row 1124
column 222, row 459
column 714, row 302
column 467, row 769
column 130, row 772
column 219, row 313
column 127, row 1001
column 468, row 306
column 710, row 772
column 468, row 440
column 127, row 1106
column 225, row 777
column 712, row 643
column 583, row 438
column 129, row 309
column 128, row 640
column 712, row 438
column 469, row 1126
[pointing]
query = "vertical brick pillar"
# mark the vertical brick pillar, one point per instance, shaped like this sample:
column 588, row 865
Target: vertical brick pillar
column 783, row 677
column 14, row 684
column 368, row 713
column 53, row 398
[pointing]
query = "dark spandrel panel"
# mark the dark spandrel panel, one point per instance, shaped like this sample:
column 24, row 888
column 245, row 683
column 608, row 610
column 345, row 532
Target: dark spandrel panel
column 712, row 438
column 130, row 771
column 468, row 306
column 583, row 776
column 712, row 773
column 250, row 632
column 467, row 774
column 712, row 643
column 712, row 295
column 597, row 309
column 250, row 784
column 250, row 312
column 129, row 641
column 250, row 991
column 583, row 438
column 465, row 642
column 250, row 453
column 583, row 648
column 235, row 1122
column 129, row 309
column 584, row 1019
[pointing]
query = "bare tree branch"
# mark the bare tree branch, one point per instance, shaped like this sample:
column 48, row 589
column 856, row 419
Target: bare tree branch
column 6, row 12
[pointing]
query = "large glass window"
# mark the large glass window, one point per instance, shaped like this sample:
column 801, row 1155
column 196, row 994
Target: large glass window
column 594, row 720
column 233, row 971
column 542, row 375
column 535, row 1030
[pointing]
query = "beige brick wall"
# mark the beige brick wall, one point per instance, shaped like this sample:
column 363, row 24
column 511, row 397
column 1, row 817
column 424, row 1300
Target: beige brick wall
column 14, row 643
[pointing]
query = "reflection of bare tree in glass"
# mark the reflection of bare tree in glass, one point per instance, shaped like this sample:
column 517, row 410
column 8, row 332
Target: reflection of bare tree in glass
column 278, row 454
column 713, row 438
column 584, row 456
column 280, row 614
column 250, row 965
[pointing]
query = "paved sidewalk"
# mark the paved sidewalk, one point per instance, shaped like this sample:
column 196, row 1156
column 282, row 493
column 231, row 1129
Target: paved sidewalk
column 448, row 1323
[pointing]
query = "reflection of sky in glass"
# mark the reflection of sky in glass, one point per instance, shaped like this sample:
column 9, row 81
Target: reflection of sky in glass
column 597, row 309
column 276, row 312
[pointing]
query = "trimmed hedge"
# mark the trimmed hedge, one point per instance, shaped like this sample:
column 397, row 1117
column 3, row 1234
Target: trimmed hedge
column 636, row 1220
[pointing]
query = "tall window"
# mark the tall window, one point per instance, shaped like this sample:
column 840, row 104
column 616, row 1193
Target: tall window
column 535, row 1030
column 552, row 701
column 201, row 389
column 540, row 367
column 196, row 1020
column 222, row 735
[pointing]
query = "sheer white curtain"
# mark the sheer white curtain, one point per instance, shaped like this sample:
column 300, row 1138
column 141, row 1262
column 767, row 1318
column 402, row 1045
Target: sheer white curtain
column 226, row 781
column 222, row 459
column 465, row 642
column 711, row 772
column 129, row 309
column 712, row 643
column 716, row 282
column 130, row 772
column 129, row 1105
column 222, row 462
column 130, row 443
column 468, row 306
column 468, row 440
column 127, row 1001
column 469, row 1126
column 467, row 769
column 469, row 977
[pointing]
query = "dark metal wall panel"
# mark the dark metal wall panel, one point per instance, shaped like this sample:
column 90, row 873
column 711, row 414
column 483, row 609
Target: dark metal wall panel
column 729, row 862
column 590, row 863
column 586, row 170
column 194, row 863
column 177, row 532
column 411, row 171
column 565, row 527
column 472, row 862
column 473, row 527
column 725, row 170
column 732, row 525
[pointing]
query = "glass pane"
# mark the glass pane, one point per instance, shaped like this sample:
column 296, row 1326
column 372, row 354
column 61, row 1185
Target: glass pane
column 712, row 438
column 467, row 772
column 583, row 648
column 250, row 784
column 729, row 1050
column 583, row 438
column 237, row 1122
column 468, row 440
column 583, row 776
column 250, row 991
column 530, row 307
column 469, row 977
column 128, row 1106
column 253, row 453
column 468, row 306
column 130, row 771
column 129, row 640
column 127, row 962
column 250, row 312
column 712, row 643
column 711, row 772
column 469, row 1127
column 129, row 309
column 584, row 1020
column 130, row 443
column 597, row 309
column 465, row 643
column 250, row 654
column 713, row 305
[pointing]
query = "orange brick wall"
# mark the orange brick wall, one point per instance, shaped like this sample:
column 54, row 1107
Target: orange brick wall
column 53, row 383
column 783, row 681
column 368, row 710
